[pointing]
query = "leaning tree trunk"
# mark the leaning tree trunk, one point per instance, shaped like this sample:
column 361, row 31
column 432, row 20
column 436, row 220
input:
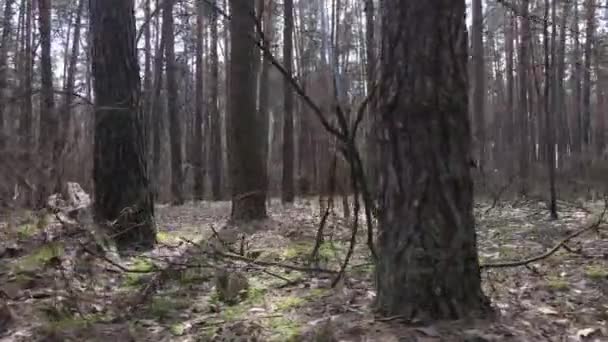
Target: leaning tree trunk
column 427, row 266
column 244, row 141
column 122, row 192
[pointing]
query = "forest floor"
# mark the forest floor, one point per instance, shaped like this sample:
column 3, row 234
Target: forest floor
column 55, row 287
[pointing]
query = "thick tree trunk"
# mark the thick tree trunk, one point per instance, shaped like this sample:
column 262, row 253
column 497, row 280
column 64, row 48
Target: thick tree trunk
column 577, row 136
column 427, row 229
column 26, row 122
column 509, row 128
column 122, row 191
column 197, row 149
column 216, row 161
column 287, row 189
column 175, row 128
column 244, row 141
column 264, row 86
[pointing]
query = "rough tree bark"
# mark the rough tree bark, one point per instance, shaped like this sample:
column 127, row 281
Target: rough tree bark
column 244, row 140
column 287, row 189
column 175, row 128
column 586, row 105
column 122, row 191
column 427, row 266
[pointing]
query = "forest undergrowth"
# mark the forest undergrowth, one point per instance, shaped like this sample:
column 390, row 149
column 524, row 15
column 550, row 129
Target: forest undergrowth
column 62, row 282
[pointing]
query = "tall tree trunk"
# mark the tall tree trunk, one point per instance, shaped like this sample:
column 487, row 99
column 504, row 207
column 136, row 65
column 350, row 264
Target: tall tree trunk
column 175, row 128
column 264, row 83
column 549, row 101
column 216, row 155
column 479, row 89
column 576, row 85
column 199, row 172
column 287, row 189
column 66, row 114
column 427, row 229
column 244, row 140
column 122, row 192
column 370, row 74
column 48, row 142
column 561, row 110
column 586, row 105
column 156, row 111
column 523, row 117
column 6, row 33
column 26, row 122
column 510, row 107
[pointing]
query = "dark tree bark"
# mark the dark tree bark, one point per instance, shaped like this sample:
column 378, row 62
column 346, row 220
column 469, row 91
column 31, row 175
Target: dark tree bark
column 244, row 141
column 199, row 171
column 26, row 122
column 586, row 105
column 6, row 32
column 264, row 87
column 49, row 145
column 156, row 112
column 287, row 189
column 523, row 119
column 549, row 101
column 122, row 191
column 216, row 161
column 175, row 129
column 577, row 136
column 510, row 107
column 427, row 266
column 479, row 86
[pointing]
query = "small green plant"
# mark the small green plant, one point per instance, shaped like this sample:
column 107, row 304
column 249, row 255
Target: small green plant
column 40, row 257
column 141, row 268
column 596, row 272
column 283, row 329
column 557, row 284
column 287, row 303
column 164, row 307
column 177, row 329
column 26, row 231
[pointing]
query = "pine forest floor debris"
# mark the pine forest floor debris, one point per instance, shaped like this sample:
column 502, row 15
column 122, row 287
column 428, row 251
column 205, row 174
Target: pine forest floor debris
column 55, row 287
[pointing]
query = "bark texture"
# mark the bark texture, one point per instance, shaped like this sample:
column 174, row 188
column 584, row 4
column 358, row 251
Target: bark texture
column 122, row 190
column 427, row 266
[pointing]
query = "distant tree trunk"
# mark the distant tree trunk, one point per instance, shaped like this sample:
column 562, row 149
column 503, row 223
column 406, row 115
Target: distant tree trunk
column 244, row 140
column 586, row 105
column 199, row 172
column 175, row 129
column 156, row 113
column 287, row 189
column 48, row 142
column 427, row 229
column 370, row 75
column 479, row 89
column 510, row 108
column 561, row 110
column 6, row 32
column 216, row 156
column 122, row 191
column 523, row 73
column 26, row 122
column 148, row 82
column 549, row 101
column 66, row 114
column 264, row 82
column 576, row 87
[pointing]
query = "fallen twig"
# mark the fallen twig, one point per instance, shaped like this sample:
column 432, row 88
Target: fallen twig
column 555, row 248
